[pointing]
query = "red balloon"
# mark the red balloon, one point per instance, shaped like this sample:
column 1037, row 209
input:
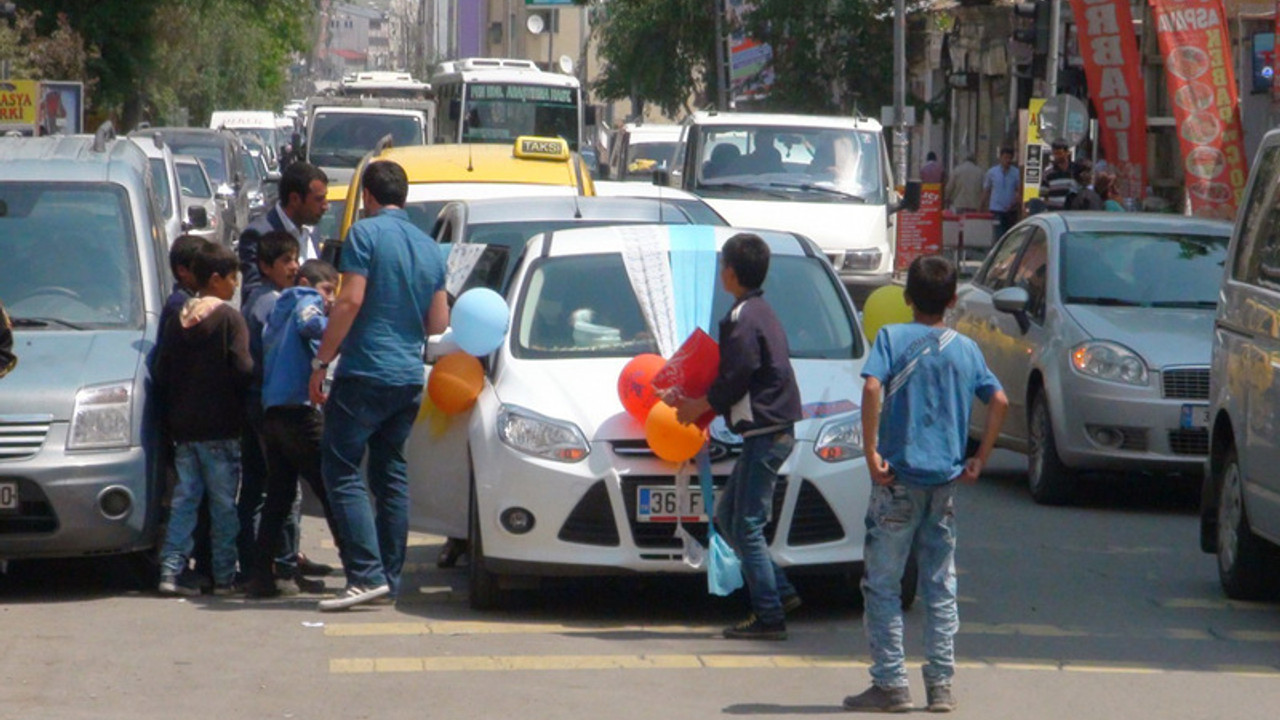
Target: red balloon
column 635, row 384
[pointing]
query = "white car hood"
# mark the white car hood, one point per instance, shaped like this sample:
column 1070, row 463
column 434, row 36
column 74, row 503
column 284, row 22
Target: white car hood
column 834, row 226
column 585, row 392
column 1162, row 336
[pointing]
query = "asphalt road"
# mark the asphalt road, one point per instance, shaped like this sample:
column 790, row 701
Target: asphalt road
column 1105, row 609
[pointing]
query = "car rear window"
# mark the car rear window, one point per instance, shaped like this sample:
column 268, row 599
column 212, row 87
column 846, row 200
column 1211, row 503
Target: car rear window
column 70, row 258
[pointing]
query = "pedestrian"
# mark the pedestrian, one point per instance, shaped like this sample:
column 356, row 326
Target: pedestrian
column 292, row 428
column 931, row 171
column 392, row 289
column 1109, row 190
column 303, row 202
column 1001, row 188
column 201, row 374
column 1058, row 182
column 1086, row 198
column 963, row 193
column 181, row 254
column 928, row 374
column 755, row 390
column 8, row 361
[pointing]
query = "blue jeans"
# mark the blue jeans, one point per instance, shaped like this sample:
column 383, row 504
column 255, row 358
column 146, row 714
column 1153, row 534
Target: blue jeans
column 899, row 517
column 742, row 511
column 359, row 415
column 213, row 467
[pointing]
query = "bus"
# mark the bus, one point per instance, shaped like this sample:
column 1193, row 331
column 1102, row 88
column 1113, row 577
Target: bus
column 384, row 84
column 496, row 100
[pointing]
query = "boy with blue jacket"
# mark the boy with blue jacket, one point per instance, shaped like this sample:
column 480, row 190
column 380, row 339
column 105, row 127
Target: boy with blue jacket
column 291, row 426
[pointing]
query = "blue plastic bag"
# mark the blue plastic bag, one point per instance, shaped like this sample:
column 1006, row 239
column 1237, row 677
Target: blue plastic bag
column 724, row 569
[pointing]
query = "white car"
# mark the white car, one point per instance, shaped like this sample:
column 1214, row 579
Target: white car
column 546, row 473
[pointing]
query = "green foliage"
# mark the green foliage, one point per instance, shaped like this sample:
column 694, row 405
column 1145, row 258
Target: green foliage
column 657, row 51
column 59, row 55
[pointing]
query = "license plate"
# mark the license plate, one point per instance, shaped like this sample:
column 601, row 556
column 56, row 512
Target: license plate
column 1195, row 416
column 662, row 504
column 8, row 496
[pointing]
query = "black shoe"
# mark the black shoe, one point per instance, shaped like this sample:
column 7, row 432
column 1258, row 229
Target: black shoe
column 310, row 586
column 754, row 629
column 940, row 698
column 453, row 549
column 878, row 699
column 311, row 568
column 260, row 588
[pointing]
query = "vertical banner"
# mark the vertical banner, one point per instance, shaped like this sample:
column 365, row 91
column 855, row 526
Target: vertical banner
column 920, row 232
column 1113, row 66
column 750, row 61
column 1035, row 155
column 1197, row 62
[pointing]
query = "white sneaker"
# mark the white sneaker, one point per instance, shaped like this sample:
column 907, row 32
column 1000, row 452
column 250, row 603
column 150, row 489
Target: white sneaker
column 352, row 596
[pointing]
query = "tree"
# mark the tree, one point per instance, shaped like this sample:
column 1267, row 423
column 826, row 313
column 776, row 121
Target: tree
column 658, row 51
column 61, row 55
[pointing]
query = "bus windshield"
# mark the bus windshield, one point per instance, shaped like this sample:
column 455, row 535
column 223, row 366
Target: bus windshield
column 501, row 112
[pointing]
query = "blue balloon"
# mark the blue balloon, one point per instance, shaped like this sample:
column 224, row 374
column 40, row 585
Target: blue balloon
column 479, row 319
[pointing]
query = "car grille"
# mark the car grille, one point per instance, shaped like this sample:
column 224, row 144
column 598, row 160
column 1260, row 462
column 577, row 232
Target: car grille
column 640, row 448
column 814, row 521
column 591, row 522
column 663, row 535
column 1189, row 441
column 34, row 515
column 21, row 438
column 1186, row 383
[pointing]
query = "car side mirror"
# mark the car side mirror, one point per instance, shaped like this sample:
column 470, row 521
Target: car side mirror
column 273, row 176
column 910, row 200
column 440, row 345
column 197, row 218
column 1015, row 301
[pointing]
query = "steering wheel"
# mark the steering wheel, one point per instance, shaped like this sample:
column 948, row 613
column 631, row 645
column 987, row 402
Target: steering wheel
column 55, row 290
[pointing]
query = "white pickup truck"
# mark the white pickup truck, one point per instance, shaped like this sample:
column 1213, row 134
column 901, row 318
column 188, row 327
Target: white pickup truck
column 340, row 131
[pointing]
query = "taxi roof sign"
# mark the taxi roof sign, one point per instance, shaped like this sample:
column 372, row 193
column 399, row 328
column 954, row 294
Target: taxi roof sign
column 529, row 147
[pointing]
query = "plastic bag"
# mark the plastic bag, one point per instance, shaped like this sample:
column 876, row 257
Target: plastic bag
column 724, row 570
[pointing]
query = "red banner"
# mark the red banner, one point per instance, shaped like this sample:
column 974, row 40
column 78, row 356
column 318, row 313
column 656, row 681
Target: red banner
column 920, row 232
column 1113, row 67
column 1197, row 62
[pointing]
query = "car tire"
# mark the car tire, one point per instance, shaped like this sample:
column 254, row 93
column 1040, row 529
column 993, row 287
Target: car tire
column 1244, row 559
column 484, row 591
column 1051, row 482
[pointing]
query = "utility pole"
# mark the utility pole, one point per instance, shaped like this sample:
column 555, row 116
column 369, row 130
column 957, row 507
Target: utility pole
column 900, row 91
column 722, row 92
column 1055, row 46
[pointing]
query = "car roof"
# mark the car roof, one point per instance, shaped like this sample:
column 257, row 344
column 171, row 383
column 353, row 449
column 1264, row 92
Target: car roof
column 596, row 240
column 478, row 163
column 1100, row 221
column 637, row 189
column 781, row 119
column 153, row 146
column 188, row 135
column 71, row 158
column 564, row 207
column 652, row 133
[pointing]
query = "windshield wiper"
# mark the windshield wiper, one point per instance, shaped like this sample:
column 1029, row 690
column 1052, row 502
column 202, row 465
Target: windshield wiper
column 43, row 322
column 1108, row 301
column 808, row 187
column 1185, row 303
column 744, row 186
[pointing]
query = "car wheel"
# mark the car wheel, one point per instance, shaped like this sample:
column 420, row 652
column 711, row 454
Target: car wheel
column 1243, row 557
column 485, row 593
column 1051, row 482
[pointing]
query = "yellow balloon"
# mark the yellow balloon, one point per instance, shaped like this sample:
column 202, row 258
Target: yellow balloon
column 885, row 306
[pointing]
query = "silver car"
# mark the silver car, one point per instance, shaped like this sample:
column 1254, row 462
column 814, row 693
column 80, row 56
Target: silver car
column 199, row 205
column 1099, row 327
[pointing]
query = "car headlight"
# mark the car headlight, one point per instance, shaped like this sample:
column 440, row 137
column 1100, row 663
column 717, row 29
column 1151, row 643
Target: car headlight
column 538, row 435
column 840, row 440
column 103, row 418
column 1109, row 361
column 865, row 260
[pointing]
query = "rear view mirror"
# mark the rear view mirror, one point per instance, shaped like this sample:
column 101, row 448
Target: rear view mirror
column 1015, row 301
column 197, row 218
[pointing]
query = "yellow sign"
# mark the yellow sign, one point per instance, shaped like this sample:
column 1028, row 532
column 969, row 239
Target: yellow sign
column 541, row 148
column 1035, row 155
column 18, row 102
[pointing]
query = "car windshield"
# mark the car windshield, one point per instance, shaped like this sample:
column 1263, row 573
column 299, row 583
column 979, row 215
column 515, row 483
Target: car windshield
column 69, row 258
column 791, row 163
column 1142, row 269
column 253, row 172
column 268, row 136
column 501, row 112
column 580, row 306
column 342, row 139
column 644, row 158
column 215, row 162
column 160, row 178
column 193, row 181
column 331, row 221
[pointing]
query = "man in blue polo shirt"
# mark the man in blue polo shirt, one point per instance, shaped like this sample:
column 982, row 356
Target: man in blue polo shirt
column 392, row 295
column 1001, row 188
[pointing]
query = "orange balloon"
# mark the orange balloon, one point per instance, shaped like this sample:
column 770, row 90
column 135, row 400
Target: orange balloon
column 670, row 439
column 635, row 384
column 455, row 382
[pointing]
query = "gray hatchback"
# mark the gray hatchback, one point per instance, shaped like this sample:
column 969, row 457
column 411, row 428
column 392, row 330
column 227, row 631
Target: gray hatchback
column 1099, row 325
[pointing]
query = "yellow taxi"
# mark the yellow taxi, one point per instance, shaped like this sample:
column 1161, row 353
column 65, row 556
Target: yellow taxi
column 327, row 228
column 439, row 174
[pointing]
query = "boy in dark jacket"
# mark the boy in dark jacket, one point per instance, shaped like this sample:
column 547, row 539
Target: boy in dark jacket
column 181, row 254
column 756, row 392
column 202, row 370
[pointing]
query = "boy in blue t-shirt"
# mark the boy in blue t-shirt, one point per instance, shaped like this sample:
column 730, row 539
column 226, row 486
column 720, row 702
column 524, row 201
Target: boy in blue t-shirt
column 929, row 375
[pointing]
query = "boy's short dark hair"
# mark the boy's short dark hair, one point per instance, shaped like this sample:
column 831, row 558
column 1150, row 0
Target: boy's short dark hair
column 213, row 259
column 317, row 271
column 748, row 256
column 275, row 245
column 931, row 283
column 297, row 179
column 1006, row 150
column 183, row 251
column 387, row 181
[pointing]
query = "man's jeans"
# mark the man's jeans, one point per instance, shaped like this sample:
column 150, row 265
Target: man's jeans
column 742, row 511
column 361, row 414
column 211, row 466
column 898, row 517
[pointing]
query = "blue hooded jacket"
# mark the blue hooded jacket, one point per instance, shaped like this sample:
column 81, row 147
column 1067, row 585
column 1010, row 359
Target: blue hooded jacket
column 289, row 341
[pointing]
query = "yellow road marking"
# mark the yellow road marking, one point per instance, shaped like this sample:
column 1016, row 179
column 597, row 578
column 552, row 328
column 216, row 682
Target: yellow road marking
column 494, row 628
column 1267, row 636
column 1021, row 629
column 1208, row 604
